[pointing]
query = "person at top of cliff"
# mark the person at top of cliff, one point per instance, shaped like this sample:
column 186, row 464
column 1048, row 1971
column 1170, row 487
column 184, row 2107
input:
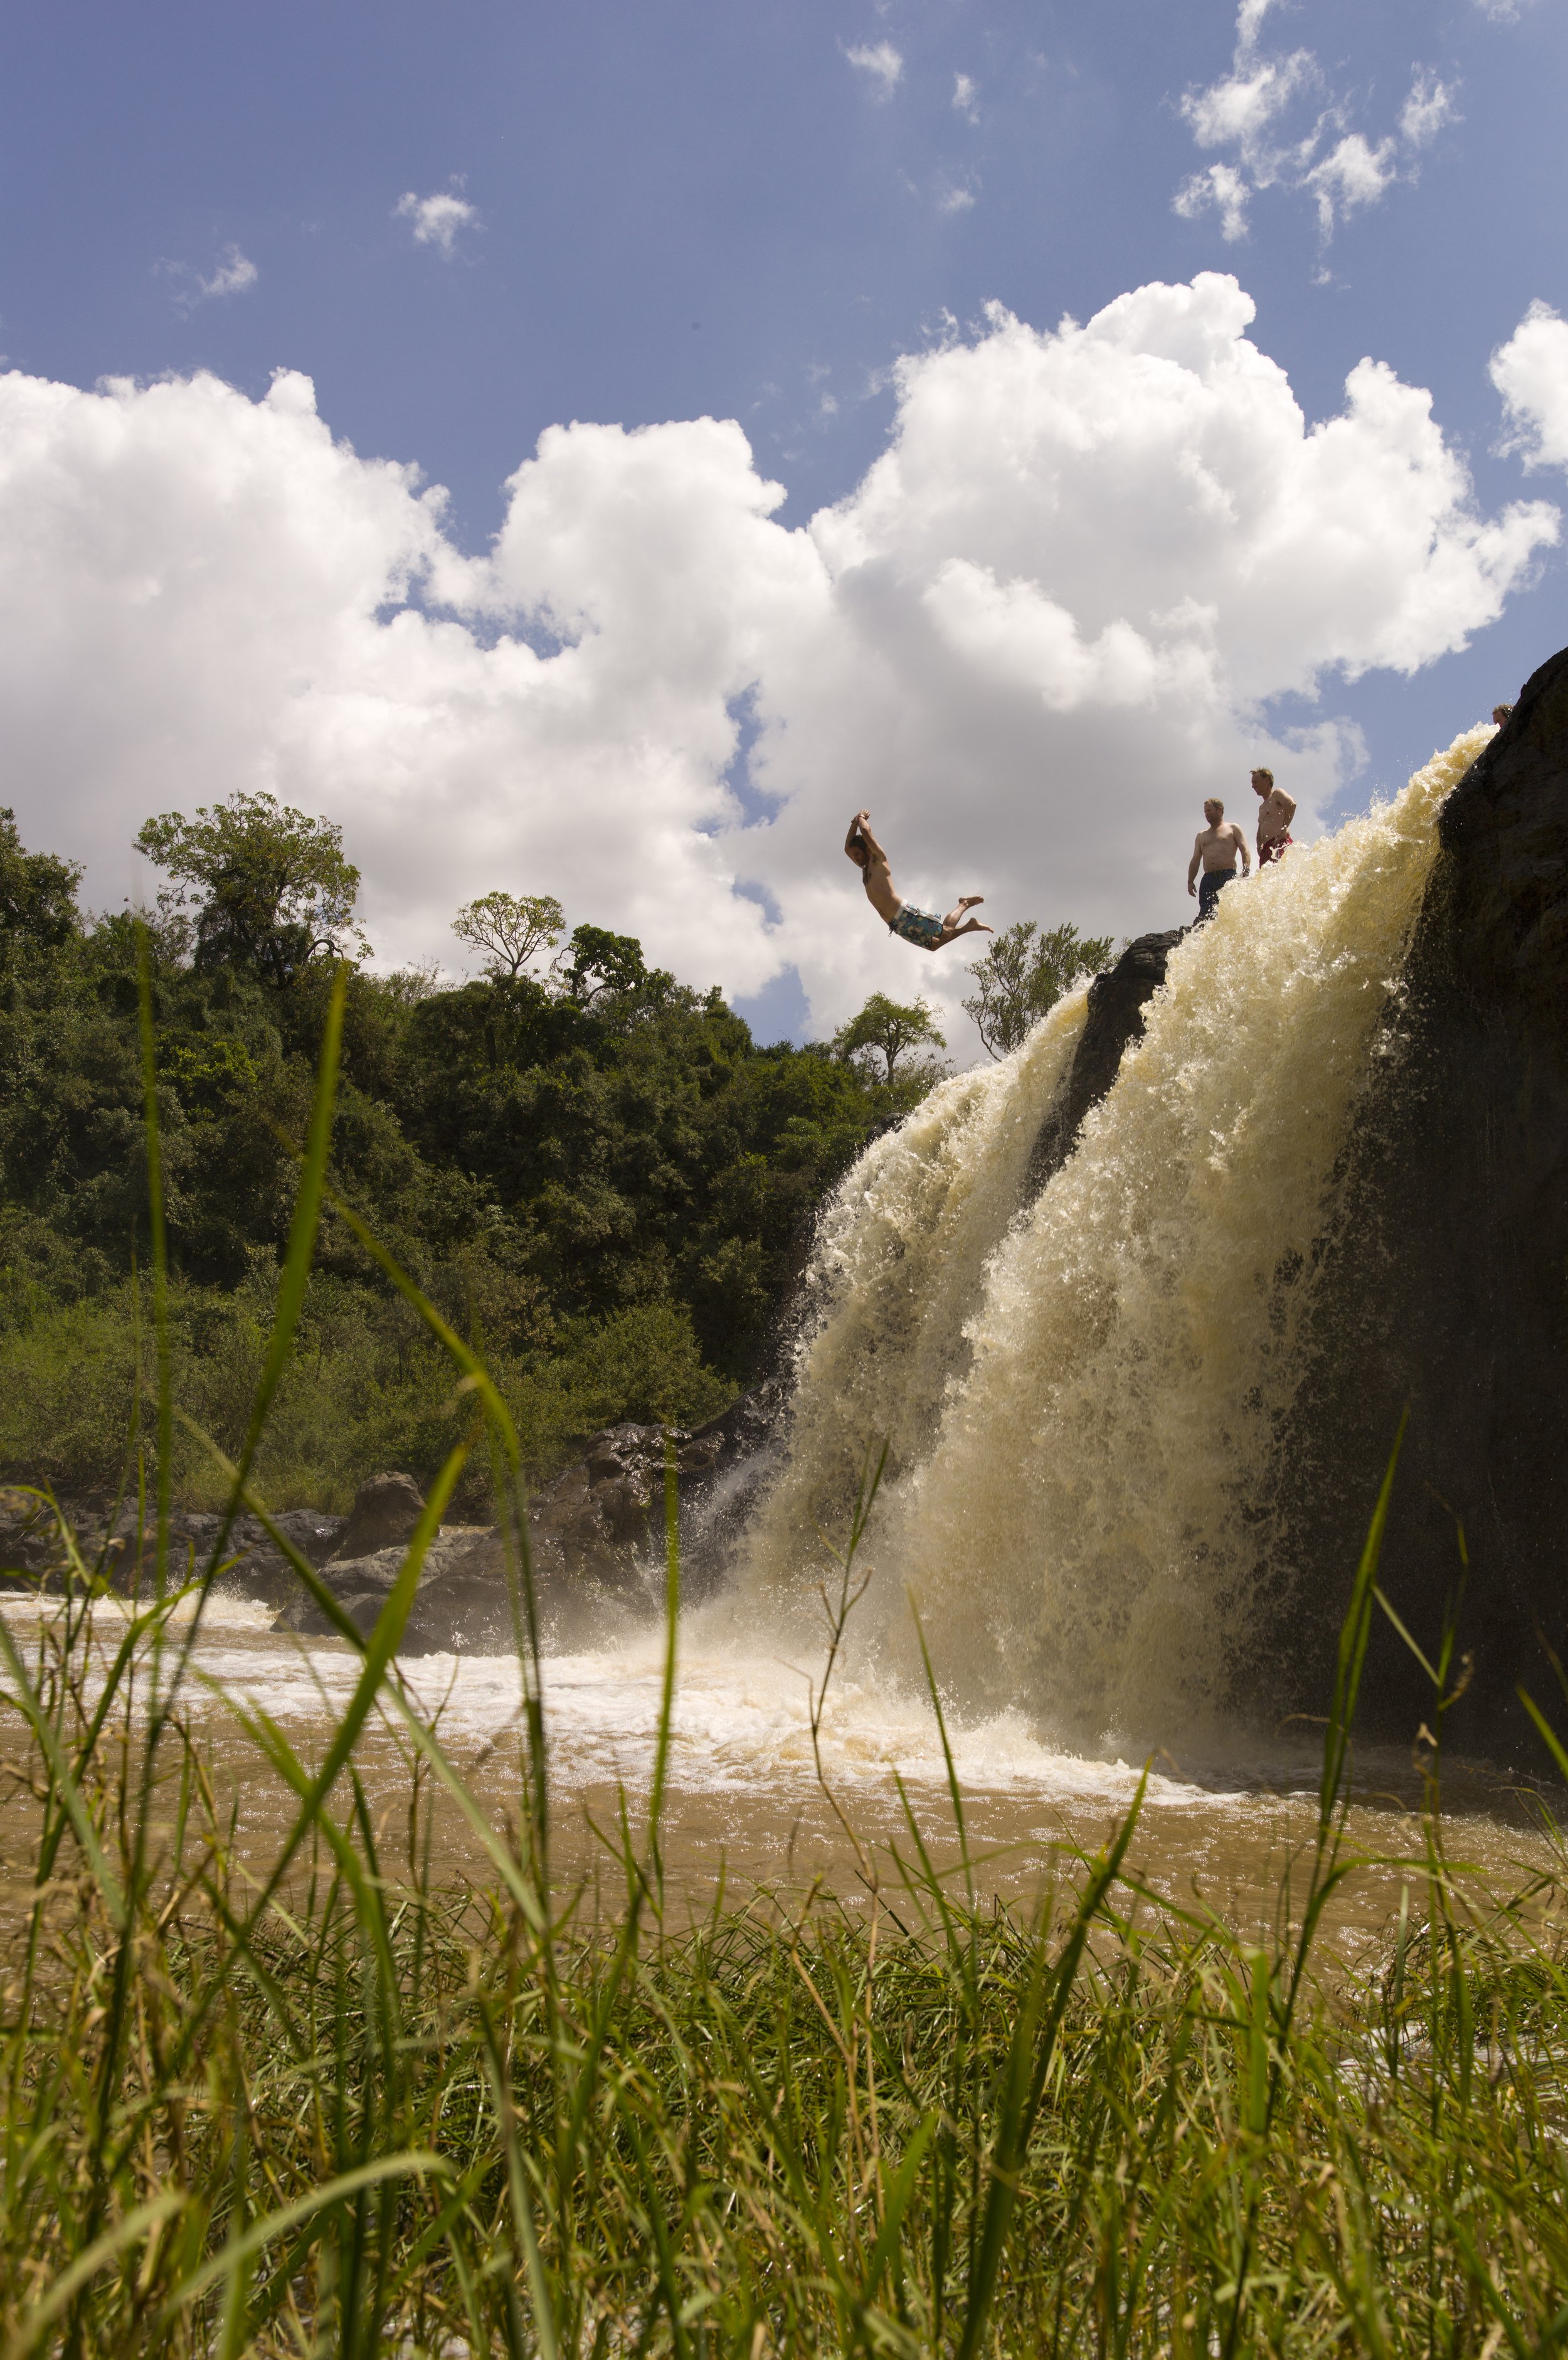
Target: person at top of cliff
column 921, row 927
column 1214, row 852
column 1501, row 713
column 1274, row 819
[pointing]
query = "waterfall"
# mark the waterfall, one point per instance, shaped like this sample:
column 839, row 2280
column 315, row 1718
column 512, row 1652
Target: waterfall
column 1084, row 1399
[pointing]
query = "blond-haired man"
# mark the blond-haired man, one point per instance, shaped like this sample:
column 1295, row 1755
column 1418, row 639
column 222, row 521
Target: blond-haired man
column 1274, row 819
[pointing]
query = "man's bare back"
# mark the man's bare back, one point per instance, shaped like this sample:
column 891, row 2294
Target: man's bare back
column 921, row 927
column 1277, row 811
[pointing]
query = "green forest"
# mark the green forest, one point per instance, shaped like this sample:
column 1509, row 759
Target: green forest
column 594, row 1169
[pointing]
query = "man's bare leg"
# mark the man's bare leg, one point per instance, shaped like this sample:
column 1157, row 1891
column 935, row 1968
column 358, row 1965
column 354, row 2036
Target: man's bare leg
column 951, row 929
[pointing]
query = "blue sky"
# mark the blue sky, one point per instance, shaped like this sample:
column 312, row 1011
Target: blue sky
column 750, row 214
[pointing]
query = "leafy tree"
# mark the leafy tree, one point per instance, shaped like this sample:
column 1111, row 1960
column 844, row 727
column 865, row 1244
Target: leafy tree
column 1024, row 974
column 271, row 887
column 38, row 894
column 891, row 1029
column 513, row 928
column 600, row 964
column 602, row 1173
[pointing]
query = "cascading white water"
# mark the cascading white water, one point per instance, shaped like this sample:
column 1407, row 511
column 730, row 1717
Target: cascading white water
column 901, row 1257
column 1083, row 1398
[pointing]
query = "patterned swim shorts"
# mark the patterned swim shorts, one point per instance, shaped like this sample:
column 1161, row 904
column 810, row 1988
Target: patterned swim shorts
column 917, row 926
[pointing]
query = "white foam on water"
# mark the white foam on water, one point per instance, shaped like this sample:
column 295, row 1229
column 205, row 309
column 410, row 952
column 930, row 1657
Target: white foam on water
column 742, row 1724
column 739, row 1723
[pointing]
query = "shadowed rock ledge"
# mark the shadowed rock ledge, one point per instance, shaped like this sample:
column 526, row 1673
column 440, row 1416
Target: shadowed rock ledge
column 1116, row 1001
column 1445, row 1287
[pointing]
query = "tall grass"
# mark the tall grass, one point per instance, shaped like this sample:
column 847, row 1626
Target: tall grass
column 332, row 2105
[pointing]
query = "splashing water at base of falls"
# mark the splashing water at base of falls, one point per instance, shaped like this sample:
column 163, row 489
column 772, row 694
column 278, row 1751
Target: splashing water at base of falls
column 1083, row 1401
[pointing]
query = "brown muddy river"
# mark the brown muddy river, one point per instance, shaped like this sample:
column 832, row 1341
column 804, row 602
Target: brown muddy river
column 746, row 1811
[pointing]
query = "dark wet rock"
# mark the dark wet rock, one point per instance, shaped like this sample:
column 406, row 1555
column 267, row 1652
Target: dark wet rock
column 602, row 1519
column 385, row 1510
column 112, row 1543
column 595, row 1537
column 1116, row 1001
column 1445, row 1285
column 465, row 1615
column 373, row 1575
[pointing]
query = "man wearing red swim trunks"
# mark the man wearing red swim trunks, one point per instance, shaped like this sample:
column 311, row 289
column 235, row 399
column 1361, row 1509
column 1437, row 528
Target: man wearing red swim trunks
column 1274, row 819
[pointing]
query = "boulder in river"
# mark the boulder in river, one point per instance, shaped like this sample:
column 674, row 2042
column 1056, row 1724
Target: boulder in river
column 595, row 1538
column 385, row 1510
column 462, row 1605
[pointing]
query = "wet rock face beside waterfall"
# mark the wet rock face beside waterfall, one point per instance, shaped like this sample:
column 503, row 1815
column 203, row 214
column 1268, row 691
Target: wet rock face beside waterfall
column 1116, row 1001
column 1445, row 1282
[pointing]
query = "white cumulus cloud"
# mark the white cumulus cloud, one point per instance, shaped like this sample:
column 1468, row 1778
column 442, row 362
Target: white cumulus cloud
column 1223, row 188
column 1353, row 174
column 234, row 274
column 438, row 219
column 1039, row 630
column 1429, row 106
column 881, row 64
column 1531, row 372
column 1248, row 111
column 1238, row 110
column 965, row 98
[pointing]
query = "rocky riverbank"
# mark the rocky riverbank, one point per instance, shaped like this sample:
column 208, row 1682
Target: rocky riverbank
column 594, row 1536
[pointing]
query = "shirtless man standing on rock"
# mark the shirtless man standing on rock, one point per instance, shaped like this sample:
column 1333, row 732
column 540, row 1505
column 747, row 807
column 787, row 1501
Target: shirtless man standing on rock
column 1274, row 819
column 921, row 927
column 1215, row 852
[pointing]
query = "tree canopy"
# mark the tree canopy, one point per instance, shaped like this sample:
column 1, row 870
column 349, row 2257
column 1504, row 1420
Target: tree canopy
column 271, row 888
column 889, row 1030
column 513, row 928
column 38, row 893
column 1023, row 975
column 595, row 1170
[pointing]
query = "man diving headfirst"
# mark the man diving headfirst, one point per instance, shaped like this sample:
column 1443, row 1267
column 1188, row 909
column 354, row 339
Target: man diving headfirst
column 921, row 927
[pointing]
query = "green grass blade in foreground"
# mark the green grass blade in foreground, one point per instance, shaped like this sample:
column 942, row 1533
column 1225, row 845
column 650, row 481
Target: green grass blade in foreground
column 272, row 2225
column 1353, row 1633
column 164, row 1470
column 28, row 1703
column 292, row 1282
column 1549, row 1738
column 672, row 1626
column 522, row 1889
column 1333, row 1797
column 42, row 2313
column 1028, row 2066
column 296, row 1262
column 380, row 1648
column 955, row 1792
